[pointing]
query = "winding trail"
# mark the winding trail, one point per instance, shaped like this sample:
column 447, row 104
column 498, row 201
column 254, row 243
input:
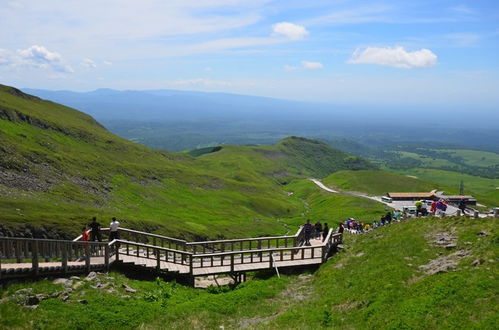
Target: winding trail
column 451, row 209
column 323, row 186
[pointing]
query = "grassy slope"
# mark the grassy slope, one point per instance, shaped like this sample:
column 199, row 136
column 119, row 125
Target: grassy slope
column 333, row 208
column 73, row 168
column 375, row 283
column 378, row 182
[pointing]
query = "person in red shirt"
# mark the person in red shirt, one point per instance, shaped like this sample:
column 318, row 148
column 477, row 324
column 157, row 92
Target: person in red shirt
column 84, row 235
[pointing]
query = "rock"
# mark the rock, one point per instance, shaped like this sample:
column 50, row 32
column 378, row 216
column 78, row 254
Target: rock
column 83, row 301
column 24, row 291
column 111, row 290
column 75, row 278
column 91, row 276
column 483, row 233
column 128, row 289
column 56, row 294
column 64, row 297
column 451, row 246
column 109, row 278
column 64, row 281
column 126, row 297
column 42, row 297
column 476, row 262
column 77, row 285
column 31, row 307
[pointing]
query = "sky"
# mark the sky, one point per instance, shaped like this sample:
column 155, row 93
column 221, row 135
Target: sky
column 401, row 52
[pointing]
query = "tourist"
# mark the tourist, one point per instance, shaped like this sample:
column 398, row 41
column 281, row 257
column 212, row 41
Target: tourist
column 113, row 230
column 419, row 207
column 307, row 230
column 341, row 228
column 325, row 231
column 433, row 207
column 318, row 229
column 95, row 232
column 462, row 205
column 388, row 217
column 367, row 227
column 84, row 234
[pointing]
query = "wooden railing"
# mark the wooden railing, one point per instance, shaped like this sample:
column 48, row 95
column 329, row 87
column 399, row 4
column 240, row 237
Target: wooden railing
column 56, row 252
column 152, row 252
column 228, row 255
column 207, row 246
column 245, row 244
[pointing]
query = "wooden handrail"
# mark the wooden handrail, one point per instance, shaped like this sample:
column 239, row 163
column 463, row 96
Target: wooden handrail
column 154, row 247
column 3, row 238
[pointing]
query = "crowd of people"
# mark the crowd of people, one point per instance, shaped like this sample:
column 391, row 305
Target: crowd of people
column 316, row 231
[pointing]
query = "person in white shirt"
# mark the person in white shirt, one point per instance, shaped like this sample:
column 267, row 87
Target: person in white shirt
column 113, row 229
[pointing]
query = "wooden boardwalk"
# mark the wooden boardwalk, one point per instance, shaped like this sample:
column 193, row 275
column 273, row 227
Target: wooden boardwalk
column 20, row 257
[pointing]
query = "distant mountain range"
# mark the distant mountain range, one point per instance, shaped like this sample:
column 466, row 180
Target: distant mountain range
column 179, row 120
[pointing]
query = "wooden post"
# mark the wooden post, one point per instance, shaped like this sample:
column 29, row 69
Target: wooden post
column 158, row 260
column 18, row 251
column 458, row 213
column 191, row 264
column 232, row 263
column 270, row 259
column 496, row 212
column 87, row 259
column 117, row 251
column 64, row 262
column 476, row 214
column 106, row 257
column 34, row 256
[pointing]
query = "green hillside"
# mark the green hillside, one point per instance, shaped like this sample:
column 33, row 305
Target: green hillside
column 60, row 167
column 378, row 182
column 396, row 277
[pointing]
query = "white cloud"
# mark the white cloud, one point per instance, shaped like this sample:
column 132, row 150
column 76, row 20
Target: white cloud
column 289, row 68
column 312, row 65
column 464, row 39
column 88, row 63
column 109, row 63
column 463, row 9
column 41, row 57
column 289, row 30
column 396, row 57
column 4, row 57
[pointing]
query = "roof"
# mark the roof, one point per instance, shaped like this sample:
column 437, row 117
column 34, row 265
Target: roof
column 458, row 197
column 411, row 194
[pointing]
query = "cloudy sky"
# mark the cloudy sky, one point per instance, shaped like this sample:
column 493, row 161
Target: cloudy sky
column 343, row 51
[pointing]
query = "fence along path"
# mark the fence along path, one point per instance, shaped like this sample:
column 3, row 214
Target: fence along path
column 25, row 257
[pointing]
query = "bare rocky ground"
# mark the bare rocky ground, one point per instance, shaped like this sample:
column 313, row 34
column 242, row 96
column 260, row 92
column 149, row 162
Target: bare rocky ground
column 99, row 281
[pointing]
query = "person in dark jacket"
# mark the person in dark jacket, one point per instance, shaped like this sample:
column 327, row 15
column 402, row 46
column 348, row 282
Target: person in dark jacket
column 307, row 230
column 95, row 233
column 341, row 228
column 325, row 231
column 318, row 229
column 462, row 205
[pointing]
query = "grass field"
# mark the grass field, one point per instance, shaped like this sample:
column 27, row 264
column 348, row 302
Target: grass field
column 376, row 282
column 378, row 182
column 475, row 157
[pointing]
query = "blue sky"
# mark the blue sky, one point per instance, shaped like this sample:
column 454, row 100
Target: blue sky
column 427, row 52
